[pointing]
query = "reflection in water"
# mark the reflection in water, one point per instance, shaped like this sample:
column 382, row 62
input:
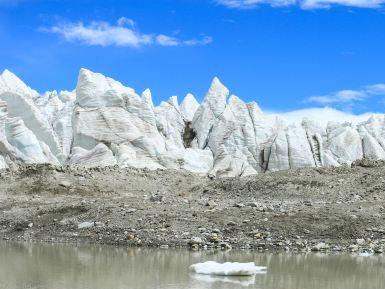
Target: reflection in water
column 49, row 266
column 243, row 281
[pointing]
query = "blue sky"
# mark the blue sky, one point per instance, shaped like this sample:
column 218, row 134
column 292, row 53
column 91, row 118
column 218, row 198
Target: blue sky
column 284, row 54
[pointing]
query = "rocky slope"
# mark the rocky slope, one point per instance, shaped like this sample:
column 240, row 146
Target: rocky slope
column 104, row 123
column 319, row 209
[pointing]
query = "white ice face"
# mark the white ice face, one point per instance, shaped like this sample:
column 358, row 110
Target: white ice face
column 104, row 123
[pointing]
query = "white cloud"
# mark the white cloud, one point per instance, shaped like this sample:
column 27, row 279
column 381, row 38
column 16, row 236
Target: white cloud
column 376, row 89
column 321, row 99
column 350, row 95
column 344, row 97
column 344, row 100
column 304, row 4
column 126, row 21
column 165, row 40
column 317, row 4
column 123, row 34
column 203, row 41
column 321, row 115
column 247, row 4
column 101, row 34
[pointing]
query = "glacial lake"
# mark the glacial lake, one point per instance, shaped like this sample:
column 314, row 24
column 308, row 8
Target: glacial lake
column 52, row 266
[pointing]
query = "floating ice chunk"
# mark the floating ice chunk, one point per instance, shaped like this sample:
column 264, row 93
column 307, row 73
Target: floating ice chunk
column 227, row 269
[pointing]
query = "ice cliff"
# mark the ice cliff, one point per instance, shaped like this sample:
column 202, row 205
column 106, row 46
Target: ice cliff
column 104, row 123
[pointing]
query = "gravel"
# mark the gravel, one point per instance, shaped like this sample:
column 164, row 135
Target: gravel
column 318, row 209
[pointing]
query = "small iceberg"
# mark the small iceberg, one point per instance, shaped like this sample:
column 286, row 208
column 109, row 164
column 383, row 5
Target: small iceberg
column 227, row 269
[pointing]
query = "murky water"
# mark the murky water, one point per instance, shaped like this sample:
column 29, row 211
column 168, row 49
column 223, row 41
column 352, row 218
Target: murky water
column 46, row 266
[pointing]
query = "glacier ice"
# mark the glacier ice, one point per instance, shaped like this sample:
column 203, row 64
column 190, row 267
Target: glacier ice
column 188, row 107
column 227, row 269
column 104, row 123
column 100, row 155
column 9, row 82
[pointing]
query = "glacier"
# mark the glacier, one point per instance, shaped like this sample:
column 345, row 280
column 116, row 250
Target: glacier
column 104, row 123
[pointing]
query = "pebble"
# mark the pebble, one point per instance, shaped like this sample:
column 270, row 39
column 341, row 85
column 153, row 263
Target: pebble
column 353, row 248
column 308, row 203
column 196, row 241
column 239, row 205
column 320, row 247
column 225, row 246
column 253, row 204
column 156, row 197
column 65, row 184
column 211, row 203
column 360, row 241
column 378, row 250
column 86, row 225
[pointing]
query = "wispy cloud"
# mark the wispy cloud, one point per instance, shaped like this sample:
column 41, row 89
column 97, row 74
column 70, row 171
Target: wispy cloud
column 248, row 4
column 165, row 40
column 202, row 41
column 376, row 89
column 304, row 4
column 342, row 96
column 348, row 97
column 122, row 34
column 321, row 115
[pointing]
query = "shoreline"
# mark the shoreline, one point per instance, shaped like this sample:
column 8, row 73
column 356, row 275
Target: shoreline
column 362, row 252
column 306, row 210
column 328, row 250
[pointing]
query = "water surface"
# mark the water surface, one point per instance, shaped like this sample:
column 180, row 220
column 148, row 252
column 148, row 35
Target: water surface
column 51, row 266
